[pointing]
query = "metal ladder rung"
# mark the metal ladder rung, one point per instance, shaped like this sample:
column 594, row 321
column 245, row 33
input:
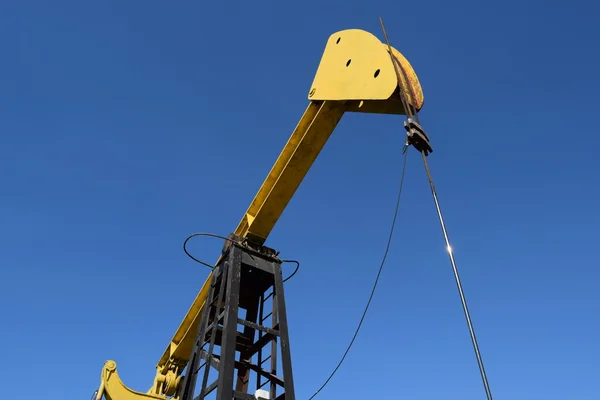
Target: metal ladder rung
column 268, row 296
column 210, row 328
column 210, row 388
column 200, row 367
column 262, row 385
column 266, row 359
column 214, row 300
column 264, row 318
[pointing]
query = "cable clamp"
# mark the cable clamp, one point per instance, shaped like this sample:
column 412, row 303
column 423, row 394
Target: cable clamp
column 417, row 137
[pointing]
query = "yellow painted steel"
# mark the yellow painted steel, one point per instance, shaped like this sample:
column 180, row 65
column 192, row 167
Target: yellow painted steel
column 356, row 74
column 357, row 66
column 112, row 388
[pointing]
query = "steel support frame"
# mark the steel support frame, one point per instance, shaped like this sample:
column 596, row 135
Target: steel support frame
column 245, row 278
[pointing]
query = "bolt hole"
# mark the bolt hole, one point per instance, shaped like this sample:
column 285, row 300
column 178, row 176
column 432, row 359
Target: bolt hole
column 337, row 41
column 376, row 74
column 348, row 63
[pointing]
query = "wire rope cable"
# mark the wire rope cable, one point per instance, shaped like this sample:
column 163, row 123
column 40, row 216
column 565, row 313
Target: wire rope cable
column 407, row 107
column 461, row 293
column 384, row 258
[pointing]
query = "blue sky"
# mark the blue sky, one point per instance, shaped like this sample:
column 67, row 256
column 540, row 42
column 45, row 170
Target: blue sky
column 127, row 126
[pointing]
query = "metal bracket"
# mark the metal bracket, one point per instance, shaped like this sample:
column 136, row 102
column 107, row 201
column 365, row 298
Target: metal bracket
column 417, row 137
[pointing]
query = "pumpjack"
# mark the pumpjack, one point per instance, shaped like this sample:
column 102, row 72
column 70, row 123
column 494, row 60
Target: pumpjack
column 236, row 328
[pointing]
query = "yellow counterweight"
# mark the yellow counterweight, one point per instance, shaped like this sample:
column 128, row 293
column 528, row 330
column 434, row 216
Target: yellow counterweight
column 356, row 74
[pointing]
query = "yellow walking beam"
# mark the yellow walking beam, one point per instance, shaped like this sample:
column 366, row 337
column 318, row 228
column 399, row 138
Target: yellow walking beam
column 356, row 74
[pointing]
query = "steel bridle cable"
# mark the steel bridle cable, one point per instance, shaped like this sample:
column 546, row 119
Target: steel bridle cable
column 461, row 293
column 407, row 107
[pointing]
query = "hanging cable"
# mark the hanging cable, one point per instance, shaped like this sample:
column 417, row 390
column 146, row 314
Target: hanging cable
column 423, row 150
column 295, row 270
column 203, row 234
column 232, row 241
column 387, row 249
